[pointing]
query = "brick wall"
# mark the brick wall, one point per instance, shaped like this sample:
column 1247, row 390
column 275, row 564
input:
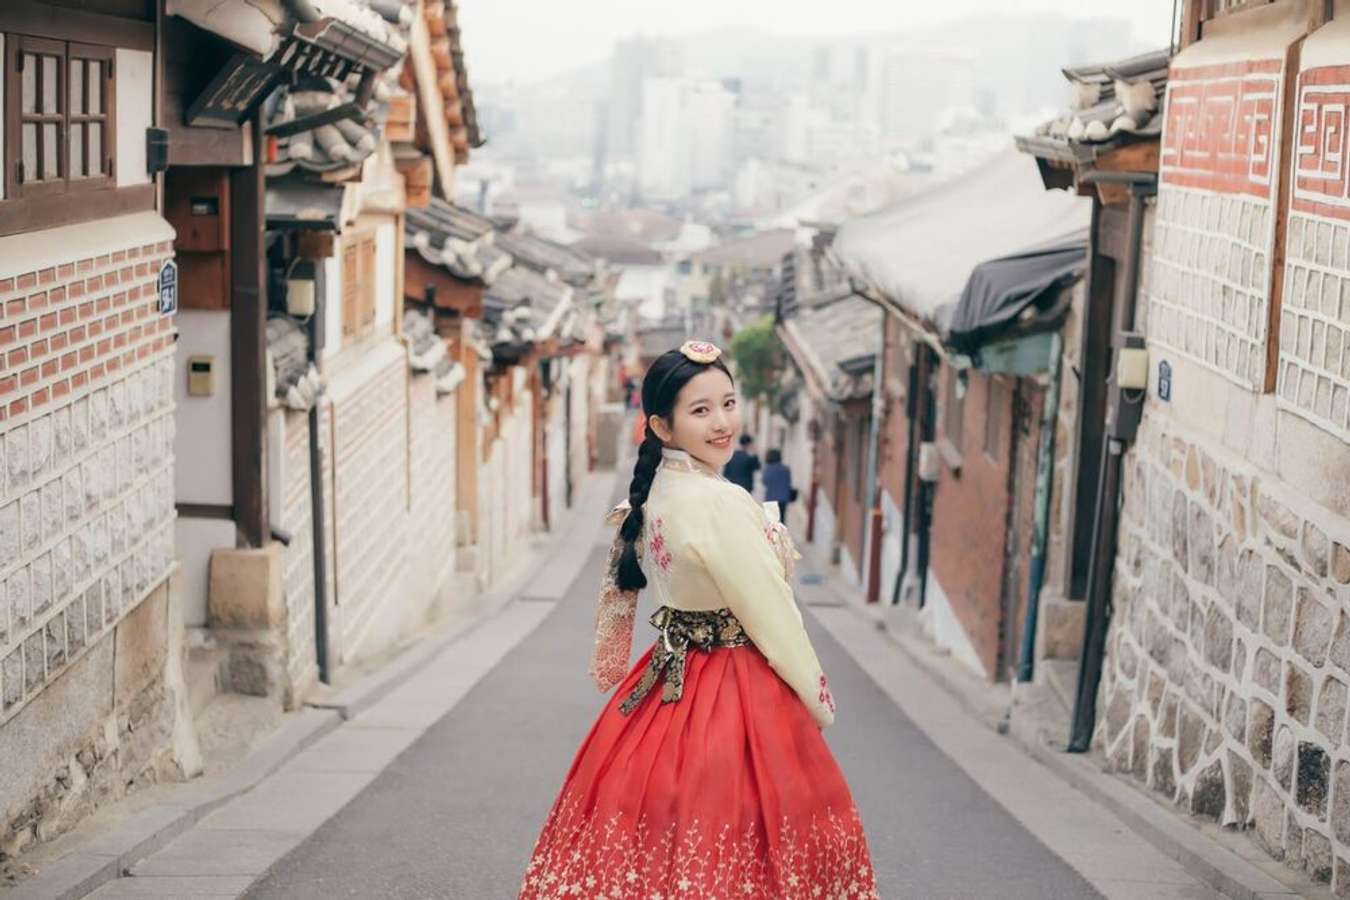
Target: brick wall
column 1229, row 654
column 1215, row 221
column 86, row 466
column 1314, row 367
column 970, row 511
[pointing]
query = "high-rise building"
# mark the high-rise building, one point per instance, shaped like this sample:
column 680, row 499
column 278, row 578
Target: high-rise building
column 685, row 137
column 635, row 60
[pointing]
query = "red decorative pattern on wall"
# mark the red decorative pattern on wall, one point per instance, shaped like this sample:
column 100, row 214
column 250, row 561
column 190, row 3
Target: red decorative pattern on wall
column 1220, row 133
column 1321, row 184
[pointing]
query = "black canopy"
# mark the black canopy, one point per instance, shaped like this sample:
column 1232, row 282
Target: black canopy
column 999, row 290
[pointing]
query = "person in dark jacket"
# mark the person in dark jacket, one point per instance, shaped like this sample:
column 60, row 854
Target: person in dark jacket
column 743, row 465
column 777, row 482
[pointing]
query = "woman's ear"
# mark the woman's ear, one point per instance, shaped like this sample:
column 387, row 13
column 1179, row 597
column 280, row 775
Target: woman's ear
column 660, row 427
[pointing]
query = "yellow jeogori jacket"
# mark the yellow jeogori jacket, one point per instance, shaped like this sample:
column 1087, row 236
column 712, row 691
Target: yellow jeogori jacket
column 706, row 544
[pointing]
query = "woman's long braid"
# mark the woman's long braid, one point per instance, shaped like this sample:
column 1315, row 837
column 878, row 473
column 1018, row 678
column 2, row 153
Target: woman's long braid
column 629, row 575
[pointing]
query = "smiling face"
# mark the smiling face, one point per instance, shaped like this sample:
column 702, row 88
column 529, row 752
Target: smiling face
column 705, row 421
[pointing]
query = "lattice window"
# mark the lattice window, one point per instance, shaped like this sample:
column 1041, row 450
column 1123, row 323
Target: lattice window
column 358, row 286
column 60, row 129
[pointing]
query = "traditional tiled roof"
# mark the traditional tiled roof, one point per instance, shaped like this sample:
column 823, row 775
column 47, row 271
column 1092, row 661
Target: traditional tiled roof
column 617, row 250
column 764, row 248
column 836, row 343
column 830, row 332
column 1113, row 103
column 326, row 123
column 458, row 239
column 427, row 352
column 543, row 255
column 296, row 381
column 442, row 18
column 525, row 306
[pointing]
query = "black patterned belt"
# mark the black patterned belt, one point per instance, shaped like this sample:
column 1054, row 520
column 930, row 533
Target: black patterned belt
column 680, row 630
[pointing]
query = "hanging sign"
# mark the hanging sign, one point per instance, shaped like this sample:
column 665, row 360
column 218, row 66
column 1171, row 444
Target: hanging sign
column 1165, row 381
column 168, row 288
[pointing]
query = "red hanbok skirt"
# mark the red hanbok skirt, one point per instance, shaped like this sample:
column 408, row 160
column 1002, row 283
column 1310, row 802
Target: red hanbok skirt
column 729, row 791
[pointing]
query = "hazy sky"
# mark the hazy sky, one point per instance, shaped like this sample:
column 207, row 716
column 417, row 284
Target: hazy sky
column 529, row 40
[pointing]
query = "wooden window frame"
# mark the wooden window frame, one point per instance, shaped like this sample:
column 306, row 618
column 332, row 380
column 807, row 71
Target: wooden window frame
column 360, row 253
column 17, row 46
column 28, row 208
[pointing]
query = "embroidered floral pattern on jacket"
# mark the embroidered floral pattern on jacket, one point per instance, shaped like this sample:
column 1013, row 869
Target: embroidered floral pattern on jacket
column 825, row 696
column 615, row 611
column 778, row 536
column 660, row 552
column 620, row 859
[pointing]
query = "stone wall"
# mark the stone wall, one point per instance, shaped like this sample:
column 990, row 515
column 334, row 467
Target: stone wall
column 1228, row 660
column 86, row 522
column 432, row 445
column 1229, row 656
column 370, row 502
column 297, row 509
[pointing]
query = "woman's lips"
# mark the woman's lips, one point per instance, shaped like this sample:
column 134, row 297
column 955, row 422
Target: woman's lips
column 721, row 443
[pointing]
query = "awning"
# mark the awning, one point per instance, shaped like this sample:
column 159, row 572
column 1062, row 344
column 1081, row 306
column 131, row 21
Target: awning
column 1000, row 290
column 920, row 252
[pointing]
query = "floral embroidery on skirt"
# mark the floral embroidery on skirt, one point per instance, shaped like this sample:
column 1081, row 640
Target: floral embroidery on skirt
column 731, row 792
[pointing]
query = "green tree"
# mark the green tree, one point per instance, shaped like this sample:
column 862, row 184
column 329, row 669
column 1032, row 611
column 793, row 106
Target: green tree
column 760, row 359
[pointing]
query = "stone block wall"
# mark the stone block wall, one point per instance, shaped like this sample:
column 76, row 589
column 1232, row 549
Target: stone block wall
column 433, row 515
column 298, row 576
column 86, row 506
column 370, row 503
column 86, row 524
column 1229, row 656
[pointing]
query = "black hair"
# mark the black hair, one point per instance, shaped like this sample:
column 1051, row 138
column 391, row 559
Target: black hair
column 663, row 382
column 774, row 456
column 746, row 440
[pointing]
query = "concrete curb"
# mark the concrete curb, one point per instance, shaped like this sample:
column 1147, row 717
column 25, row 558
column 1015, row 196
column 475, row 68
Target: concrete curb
column 1224, row 868
column 104, row 859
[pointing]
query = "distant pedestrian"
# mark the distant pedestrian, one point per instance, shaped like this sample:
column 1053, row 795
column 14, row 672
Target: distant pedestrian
column 743, row 465
column 706, row 775
column 778, row 482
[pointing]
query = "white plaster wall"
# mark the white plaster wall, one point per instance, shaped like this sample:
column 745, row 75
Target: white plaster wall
column 891, row 531
column 135, row 113
column 939, row 620
column 386, row 280
column 824, row 534
column 194, row 539
column 332, row 307
column 202, row 441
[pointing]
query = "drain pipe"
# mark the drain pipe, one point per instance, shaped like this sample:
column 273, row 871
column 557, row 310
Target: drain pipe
column 1122, row 421
column 1045, row 468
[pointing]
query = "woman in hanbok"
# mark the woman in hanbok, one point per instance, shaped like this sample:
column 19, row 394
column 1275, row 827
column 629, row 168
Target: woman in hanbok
column 706, row 775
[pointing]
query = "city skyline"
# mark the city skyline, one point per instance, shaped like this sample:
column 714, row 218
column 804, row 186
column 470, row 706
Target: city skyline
column 517, row 41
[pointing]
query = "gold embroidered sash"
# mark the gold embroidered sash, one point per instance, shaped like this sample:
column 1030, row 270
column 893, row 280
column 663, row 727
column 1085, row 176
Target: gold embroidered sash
column 680, row 630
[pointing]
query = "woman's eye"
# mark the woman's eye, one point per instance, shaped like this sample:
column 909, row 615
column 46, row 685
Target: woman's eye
column 730, row 404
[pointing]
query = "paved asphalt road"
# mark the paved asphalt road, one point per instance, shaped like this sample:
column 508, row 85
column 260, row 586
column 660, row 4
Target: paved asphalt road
column 456, row 815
